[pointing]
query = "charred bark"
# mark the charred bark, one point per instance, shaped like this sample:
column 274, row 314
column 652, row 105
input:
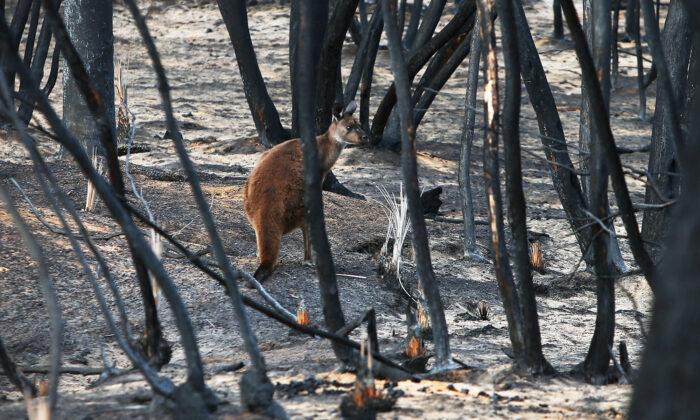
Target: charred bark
column 412, row 29
column 667, row 386
column 552, row 136
column 263, row 111
column 330, row 61
column 471, row 251
column 428, row 282
column 601, row 123
column 314, row 15
column 370, row 42
column 558, row 32
column 415, row 61
column 504, row 276
column 431, row 18
column 663, row 159
column 428, row 90
column 596, row 24
column 534, row 361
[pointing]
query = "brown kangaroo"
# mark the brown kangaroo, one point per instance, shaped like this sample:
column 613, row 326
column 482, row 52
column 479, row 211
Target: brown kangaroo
column 273, row 196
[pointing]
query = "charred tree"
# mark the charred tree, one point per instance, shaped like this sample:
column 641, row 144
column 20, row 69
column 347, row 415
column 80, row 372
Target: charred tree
column 432, row 82
column 89, row 25
column 633, row 22
column 369, row 44
column 262, row 109
column 415, row 61
column 38, row 60
column 368, row 72
column 314, row 15
column 667, row 383
column 471, row 251
column 154, row 346
column 563, row 174
column 601, row 123
column 534, row 361
column 412, row 29
column 431, row 18
column 597, row 27
column 329, row 63
column 663, row 161
column 443, row 357
column 504, row 276
column 558, row 32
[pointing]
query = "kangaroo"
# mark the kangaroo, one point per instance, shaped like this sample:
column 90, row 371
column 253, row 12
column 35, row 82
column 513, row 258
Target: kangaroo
column 273, row 196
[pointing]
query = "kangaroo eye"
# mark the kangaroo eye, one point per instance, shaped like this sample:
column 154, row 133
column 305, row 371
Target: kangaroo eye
column 348, row 128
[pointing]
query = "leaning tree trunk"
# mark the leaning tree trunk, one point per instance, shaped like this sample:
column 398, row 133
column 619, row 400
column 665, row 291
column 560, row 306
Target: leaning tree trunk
column 597, row 27
column 87, row 79
column 663, row 162
column 412, row 29
column 443, row 357
column 415, row 61
column 552, row 136
column 263, row 111
column 601, row 122
column 534, row 360
column 558, row 31
column 667, row 385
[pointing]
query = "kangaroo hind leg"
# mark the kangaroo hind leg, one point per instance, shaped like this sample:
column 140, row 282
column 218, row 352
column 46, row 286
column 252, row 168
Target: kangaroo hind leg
column 268, row 250
column 308, row 259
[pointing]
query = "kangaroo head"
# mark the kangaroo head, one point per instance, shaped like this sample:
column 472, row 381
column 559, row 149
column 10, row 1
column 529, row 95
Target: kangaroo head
column 345, row 129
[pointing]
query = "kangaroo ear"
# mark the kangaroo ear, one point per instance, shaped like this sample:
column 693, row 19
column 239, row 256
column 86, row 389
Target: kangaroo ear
column 350, row 108
column 337, row 111
column 334, row 118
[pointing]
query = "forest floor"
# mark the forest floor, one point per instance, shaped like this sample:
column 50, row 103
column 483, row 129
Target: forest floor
column 214, row 116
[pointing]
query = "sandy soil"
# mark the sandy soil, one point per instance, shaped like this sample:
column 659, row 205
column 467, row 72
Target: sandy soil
column 209, row 101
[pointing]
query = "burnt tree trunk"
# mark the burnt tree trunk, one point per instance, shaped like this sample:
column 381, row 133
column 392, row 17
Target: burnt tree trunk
column 534, row 361
column 89, row 24
column 99, row 119
column 431, row 18
column 415, row 61
column 430, row 84
column 293, row 45
column 663, row 161
column 552, row 136
column 412, row 29
column 504, row 276
column 597, row 27
column 26, row 109
column 667, row 385
column 558, row 32
column 263, row 111
column 370, row 42
column 329, row 62
column 471, row 251
column 443, row 357
column 314, row 14
column 633, row 22
column 601, row 123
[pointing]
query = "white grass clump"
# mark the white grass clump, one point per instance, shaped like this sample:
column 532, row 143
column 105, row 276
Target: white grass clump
column 396, row 211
